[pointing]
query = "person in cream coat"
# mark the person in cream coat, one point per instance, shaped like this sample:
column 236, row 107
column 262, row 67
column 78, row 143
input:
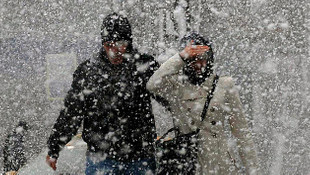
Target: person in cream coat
column 185, row 80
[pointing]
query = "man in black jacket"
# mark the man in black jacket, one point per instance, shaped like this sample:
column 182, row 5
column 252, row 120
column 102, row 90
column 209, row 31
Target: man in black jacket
column 109, row 95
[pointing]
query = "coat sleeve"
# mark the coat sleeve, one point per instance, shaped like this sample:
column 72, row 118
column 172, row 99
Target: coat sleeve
column 70, row 118
column 240, row 129
column 161, row 83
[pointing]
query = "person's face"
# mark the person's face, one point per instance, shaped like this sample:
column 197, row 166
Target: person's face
column 199, row 65
column 115, row 51
column 198, row 59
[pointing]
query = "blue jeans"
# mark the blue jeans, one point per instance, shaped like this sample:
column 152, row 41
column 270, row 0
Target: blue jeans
column 110, row 166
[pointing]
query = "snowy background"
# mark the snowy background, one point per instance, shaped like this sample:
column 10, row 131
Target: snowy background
column 263, row 44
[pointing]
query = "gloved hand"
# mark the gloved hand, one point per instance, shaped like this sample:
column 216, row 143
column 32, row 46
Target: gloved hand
column 51, row 162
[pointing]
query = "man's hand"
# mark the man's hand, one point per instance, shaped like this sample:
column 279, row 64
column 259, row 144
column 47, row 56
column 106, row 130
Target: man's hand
column 51, row 162
column 192, row 51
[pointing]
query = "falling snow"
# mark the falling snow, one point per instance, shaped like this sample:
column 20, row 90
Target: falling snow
column 263, row 45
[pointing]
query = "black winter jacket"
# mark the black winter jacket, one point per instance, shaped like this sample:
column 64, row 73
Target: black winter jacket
column 114, row 105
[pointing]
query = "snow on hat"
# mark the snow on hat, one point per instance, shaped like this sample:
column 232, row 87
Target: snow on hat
column 115, row 28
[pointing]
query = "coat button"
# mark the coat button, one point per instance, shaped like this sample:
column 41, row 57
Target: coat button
column 212, row 109
column 213, row 122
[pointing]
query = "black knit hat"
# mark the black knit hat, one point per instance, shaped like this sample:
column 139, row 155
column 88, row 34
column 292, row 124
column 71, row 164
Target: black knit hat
column 197, row 38
column 115, row 28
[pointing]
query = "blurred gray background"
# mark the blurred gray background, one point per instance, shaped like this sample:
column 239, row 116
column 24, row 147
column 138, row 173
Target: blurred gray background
column 263, row 44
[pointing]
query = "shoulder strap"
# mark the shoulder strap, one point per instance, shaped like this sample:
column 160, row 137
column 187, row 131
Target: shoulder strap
column 203, row 115
column 205, row 108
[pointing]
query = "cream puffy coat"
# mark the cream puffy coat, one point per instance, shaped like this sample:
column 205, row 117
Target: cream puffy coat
column 224, row 121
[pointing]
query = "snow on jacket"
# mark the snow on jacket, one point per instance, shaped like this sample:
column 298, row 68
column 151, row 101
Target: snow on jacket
column 114, row 105
column 224, row 116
